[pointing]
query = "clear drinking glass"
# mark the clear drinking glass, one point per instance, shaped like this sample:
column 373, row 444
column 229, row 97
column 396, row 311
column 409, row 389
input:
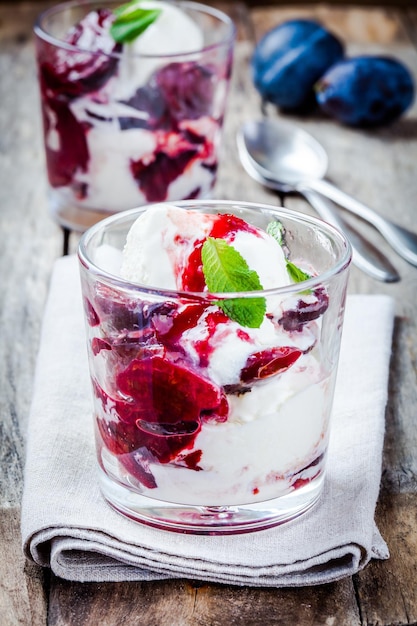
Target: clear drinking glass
column 182, row 443
column 129, row 126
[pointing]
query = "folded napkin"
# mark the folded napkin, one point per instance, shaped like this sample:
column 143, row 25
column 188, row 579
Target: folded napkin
column 67, row 525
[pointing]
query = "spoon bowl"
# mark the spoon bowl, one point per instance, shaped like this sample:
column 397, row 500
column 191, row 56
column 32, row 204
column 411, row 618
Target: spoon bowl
column 292, row 160
column 287, row 157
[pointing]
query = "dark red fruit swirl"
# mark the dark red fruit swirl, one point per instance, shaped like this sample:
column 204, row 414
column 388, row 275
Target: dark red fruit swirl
column 267, row 363
column 187, row 89
column 90, row 313
column 72, row 73
column 64, row 75
column 166, row 392
column 72, row 153
column 294, row 319
column 162, row 414
column 301, row 482
column 121, row 439
column 155, row 176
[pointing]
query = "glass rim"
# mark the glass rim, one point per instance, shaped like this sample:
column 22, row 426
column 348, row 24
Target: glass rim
column 43, row 34
column 316, row 281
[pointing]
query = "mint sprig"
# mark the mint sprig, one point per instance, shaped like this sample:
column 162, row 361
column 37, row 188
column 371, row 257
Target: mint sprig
column 225, row 271
column 276, row 230
column 296, row 274
column 131, row 21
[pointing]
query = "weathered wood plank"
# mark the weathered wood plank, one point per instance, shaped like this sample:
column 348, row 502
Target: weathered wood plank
column 135, row 603
column 22, row 596
column 386, row 589
column 29, row 245
column 410, row 22
column 184, row 603
column 327, row 604
column 233, row 183
column 353, row 23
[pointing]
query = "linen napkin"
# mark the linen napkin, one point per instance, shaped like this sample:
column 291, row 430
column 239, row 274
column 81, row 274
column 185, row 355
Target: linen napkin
column 67, row 525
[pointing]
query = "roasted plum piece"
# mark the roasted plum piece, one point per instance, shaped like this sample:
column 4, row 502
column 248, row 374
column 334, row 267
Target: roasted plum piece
column 187, row 89
column 308, row 309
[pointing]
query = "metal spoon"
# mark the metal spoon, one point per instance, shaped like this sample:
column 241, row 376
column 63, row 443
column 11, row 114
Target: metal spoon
column 365, row 256
column 283, row 153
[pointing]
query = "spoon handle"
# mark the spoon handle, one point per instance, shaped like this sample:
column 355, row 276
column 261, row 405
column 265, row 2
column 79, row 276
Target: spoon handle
column 403, row 241
column 365, row 256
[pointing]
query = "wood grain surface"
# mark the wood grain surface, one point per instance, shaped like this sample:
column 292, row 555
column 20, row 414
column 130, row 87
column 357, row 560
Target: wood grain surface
column 380, row 168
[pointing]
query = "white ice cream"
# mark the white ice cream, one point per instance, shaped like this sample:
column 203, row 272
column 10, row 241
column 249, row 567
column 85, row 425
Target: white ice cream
column 153, row 236
column 169, row 234
column 172, row 33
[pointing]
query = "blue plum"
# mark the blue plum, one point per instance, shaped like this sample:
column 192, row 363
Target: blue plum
column 289, row 60
column 366, row 90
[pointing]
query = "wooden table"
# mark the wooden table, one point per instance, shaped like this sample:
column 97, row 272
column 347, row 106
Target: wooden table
column 379, row 167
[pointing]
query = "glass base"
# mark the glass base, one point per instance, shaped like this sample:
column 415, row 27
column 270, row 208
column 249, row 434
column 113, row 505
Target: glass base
column 79, row 219
column 74, row 218
column 210, row 520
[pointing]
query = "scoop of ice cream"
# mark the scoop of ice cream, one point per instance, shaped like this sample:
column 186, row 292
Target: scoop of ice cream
column 163, row 248
column 173, row 32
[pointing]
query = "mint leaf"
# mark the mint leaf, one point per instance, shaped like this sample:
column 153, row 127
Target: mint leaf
column 225, row 271
column 131, row 21
column 296, row 274
column 276, row 230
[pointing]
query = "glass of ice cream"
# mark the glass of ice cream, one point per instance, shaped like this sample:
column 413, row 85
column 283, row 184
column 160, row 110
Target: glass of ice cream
column 131, row 114
column 213, row 331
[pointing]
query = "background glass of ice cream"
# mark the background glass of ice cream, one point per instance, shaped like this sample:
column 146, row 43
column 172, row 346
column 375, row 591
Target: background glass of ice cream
column 123, row 128
column 171, row 452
